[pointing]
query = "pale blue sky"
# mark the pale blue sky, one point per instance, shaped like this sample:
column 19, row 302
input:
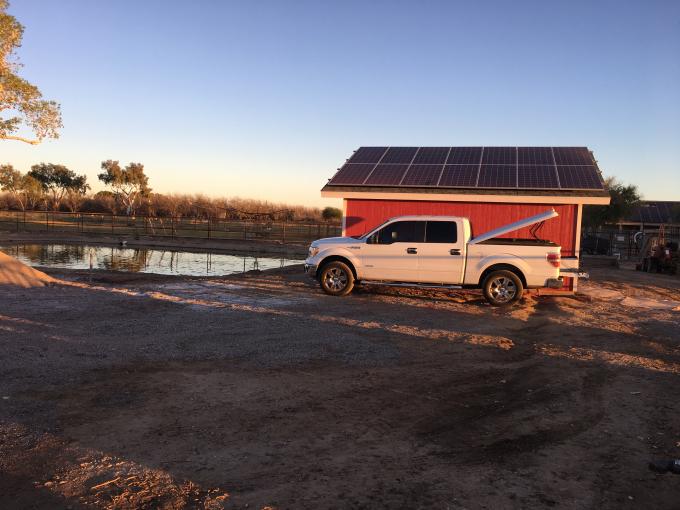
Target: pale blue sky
column 265, row 99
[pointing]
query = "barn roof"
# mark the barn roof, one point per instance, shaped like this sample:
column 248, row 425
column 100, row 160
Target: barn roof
column 508, row 171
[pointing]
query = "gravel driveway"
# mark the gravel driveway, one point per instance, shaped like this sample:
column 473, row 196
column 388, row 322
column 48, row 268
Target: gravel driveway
column 260, row 391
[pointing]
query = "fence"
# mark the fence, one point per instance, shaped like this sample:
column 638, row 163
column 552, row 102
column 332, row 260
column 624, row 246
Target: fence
column 626, row 244
column 173, row 227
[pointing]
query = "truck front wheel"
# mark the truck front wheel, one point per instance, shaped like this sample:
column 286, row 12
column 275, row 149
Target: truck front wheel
column 336, row 279
column 502, row 288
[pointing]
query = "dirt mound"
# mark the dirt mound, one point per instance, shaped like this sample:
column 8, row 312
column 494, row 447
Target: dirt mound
column 13, row 272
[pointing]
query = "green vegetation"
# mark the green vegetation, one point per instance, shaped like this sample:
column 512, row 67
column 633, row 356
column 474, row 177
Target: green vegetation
column 21, row 100
column 331, row 213
column 624, row 199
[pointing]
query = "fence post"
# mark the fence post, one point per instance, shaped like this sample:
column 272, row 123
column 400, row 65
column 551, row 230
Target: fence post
column 17, row 222
column 173, row 227
column 47, row 221
column 284, row 232
column 112, row 219
column 208, row 226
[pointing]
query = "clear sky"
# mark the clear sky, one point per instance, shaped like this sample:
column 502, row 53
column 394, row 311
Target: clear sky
column 266, row 99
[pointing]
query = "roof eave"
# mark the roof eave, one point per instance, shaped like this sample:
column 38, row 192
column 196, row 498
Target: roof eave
column 584, row 197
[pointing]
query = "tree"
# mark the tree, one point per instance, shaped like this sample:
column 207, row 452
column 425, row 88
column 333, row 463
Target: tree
column 25, row 190
column 58, row 181
column 21, row 100
column 32, row 190
column 624, row 199
column 10, row 181
column 128, row 183
column 331, row 213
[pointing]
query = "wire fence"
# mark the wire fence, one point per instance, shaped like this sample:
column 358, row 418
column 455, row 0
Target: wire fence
column 171, row 227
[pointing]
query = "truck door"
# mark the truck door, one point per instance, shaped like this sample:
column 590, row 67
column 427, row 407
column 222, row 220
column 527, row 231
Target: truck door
column 442, row 257
column 392, row 252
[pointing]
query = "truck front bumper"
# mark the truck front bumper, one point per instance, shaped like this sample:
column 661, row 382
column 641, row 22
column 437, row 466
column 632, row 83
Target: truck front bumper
column 310, row 269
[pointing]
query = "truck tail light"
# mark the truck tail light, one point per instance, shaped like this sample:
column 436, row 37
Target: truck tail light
column 553, row 259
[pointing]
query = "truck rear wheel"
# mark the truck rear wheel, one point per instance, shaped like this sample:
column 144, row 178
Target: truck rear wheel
column 502, row 288
column 336, row 279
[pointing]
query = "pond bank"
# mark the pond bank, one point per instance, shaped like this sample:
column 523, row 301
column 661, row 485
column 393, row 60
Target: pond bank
column 249, row 247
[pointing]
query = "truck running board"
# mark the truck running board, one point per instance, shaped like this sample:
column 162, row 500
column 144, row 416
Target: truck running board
column 412, row 285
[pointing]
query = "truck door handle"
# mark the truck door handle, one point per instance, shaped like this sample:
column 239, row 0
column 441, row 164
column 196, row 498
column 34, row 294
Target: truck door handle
column 412, row 251
column 454, row 251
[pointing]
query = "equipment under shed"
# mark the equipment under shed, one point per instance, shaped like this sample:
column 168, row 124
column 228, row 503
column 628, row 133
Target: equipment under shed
column 492, row 186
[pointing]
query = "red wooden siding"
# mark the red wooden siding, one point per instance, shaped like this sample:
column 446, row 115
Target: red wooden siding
column 362, row 215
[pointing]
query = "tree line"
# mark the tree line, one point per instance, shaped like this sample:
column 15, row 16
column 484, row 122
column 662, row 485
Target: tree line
column 54, row 187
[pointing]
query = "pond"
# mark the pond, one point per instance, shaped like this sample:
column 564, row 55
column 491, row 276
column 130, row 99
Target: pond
column 141, row 260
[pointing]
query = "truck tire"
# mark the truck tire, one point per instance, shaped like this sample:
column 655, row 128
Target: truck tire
column 502, row 288
column 336, row 278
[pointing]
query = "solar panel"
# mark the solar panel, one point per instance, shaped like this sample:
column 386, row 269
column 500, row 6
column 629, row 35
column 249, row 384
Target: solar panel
column 535, row 156
column 472, row 167
column 399, row 155
column 497, row 176
column 459, row 176
column 367, row 155
column 353, row 173
column 537, row 177
column 572, row 156
column 464, row 156
column 500, row 156
column 579, row 177
column 386, row 175
column 431, row 156
column 422, row 175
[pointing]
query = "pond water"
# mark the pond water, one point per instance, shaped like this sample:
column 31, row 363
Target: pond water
column 141, row 260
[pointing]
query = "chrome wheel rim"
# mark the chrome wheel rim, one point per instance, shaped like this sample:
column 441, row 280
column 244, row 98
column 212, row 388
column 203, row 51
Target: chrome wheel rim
column 502, row 289
column 335, row 279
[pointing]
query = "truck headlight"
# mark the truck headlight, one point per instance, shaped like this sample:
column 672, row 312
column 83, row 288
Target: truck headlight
column 313, row 250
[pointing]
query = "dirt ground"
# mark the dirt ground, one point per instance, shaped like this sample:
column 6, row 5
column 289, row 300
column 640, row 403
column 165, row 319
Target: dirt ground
column 259, row 391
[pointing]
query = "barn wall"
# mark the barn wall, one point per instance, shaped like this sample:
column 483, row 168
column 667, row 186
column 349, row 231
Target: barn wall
column 363, row 215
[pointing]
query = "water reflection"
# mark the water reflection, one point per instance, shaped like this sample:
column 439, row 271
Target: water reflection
column 140, row 260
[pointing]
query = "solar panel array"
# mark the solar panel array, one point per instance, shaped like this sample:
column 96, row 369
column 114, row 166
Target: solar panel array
column 654, row 212
column 542, row 168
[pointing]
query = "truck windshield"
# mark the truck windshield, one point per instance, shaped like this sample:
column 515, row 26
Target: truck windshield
column 367, row 233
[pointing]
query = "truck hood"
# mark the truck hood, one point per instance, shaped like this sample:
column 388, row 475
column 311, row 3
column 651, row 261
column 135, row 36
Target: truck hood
column 335, row 240
column 515, row 226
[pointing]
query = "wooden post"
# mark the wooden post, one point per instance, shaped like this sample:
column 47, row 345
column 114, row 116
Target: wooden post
column 284, row 232
column 208, row 226
column 112, row 220
column 173, row 227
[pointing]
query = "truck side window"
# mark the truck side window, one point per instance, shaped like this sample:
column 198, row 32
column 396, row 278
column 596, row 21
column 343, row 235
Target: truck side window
column 441, row 232
column 402, row 232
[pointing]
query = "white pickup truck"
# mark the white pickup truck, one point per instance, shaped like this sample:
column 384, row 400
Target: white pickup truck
column 438, row 251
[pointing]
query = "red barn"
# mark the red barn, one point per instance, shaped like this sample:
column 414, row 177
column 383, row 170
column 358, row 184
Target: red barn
column 492, row 186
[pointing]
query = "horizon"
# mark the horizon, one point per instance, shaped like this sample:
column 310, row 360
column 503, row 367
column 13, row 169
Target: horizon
column 284, row 94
